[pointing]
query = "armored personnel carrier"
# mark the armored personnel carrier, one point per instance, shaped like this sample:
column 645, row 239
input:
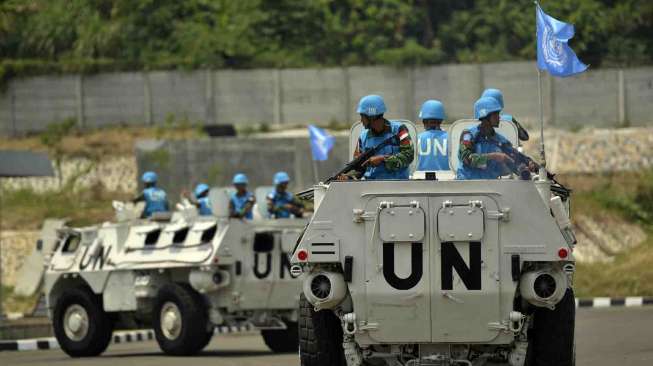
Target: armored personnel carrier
column 437, row 271
column 182, row 276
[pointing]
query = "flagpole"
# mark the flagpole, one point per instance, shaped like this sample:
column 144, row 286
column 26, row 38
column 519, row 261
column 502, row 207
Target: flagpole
column 316, row 177
column 539, row 92
column 542, row 173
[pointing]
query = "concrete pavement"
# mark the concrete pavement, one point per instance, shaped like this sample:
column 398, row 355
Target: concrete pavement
column 605, row 337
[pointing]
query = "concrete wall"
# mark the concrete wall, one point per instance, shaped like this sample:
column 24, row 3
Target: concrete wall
column 113, row 98
column 246, row 97
column 182, row 164
column 182, row 94
column 39, row 100
column 314, row 95
column 600, row 98
column 638, row 100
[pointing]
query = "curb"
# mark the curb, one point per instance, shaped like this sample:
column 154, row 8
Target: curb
column 607, row 302
column 118, row 337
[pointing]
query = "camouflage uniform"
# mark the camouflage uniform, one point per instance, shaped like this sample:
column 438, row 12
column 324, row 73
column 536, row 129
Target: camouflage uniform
column 396, row 164
column 472, row 153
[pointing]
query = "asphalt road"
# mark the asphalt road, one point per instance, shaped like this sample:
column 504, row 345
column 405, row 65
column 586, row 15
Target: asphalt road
column 604, row 337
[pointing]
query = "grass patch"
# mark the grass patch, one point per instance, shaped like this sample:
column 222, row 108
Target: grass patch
column 97, row 143
column 630, row 274
column 12, row 303
column 629, row 196
column 26, row 209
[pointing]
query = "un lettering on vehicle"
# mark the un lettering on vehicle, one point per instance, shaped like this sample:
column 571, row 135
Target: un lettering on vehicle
column 94, row 261
column 455, row 262
column 264, row 265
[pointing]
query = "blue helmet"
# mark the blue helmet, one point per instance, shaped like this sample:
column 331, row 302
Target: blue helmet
column 149, row 177
column 200, row 189
column 432, row 109
column 371, row 105
column 484, row 106
column 494, row 93
column 281, row 177
column 240, row 178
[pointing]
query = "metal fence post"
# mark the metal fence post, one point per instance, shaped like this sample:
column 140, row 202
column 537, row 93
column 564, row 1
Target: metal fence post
column 410, row 95
column 12, row 107
column 347, row 90
column 209, row 114
column 278, row 102
column 79, row 95
column 147, row 98
column 621, row 99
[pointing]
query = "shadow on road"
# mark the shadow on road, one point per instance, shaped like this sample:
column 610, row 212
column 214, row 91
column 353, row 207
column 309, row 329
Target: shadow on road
column 206, row 353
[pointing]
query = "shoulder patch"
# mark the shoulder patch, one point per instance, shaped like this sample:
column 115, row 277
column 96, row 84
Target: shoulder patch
column 466, row 138
column 403, row 136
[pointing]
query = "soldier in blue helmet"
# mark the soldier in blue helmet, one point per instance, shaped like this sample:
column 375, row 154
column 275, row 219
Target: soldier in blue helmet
column 496, row 94
column 202, row 201
column 155, row 198
column 480, row 152
column 242, row 201
column 432, row 143
column 393, row 160
column 281, row 203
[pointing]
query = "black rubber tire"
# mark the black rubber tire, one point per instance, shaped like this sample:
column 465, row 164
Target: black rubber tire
column 100, row 326
column 206, row 339
column 282, row 340
column 551, row 340
column 320, row 337
column 194, row 320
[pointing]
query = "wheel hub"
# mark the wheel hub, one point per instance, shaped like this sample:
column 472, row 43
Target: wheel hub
column 76, row 322
column 170, row 320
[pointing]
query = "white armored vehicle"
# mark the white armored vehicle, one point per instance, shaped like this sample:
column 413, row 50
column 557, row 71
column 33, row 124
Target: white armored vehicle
column 438, row 272
column 181, row 276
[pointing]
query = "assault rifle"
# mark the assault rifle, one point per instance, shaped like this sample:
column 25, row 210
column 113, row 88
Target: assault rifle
column 356, row 164
column 520, row 167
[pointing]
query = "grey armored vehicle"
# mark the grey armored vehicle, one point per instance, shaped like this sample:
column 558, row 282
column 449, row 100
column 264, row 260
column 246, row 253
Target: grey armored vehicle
column 182, row 276
column 438, row 272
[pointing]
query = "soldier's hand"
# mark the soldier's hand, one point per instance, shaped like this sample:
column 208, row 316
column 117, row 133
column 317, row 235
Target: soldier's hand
column 533, row 167
column 375, row 160
column 500, row 157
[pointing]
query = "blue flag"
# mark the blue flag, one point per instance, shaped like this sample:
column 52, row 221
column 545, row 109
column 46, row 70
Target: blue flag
column 553, row 52
column 321, row 142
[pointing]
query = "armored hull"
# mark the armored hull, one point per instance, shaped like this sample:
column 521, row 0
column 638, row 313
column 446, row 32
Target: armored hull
column 439, row 272
column 181, row 277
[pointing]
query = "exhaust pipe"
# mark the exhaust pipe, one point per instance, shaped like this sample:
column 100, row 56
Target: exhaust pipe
column 544, row 287
column 325, row 290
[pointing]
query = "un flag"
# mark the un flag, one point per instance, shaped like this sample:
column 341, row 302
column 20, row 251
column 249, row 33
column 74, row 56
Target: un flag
column 321, row 142
column 553, row 51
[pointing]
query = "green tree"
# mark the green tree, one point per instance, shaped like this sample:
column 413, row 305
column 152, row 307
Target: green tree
column 291, row 33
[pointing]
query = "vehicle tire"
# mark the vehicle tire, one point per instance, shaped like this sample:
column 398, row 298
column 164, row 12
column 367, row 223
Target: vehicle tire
column 282, row 340
column 206, row 338
column 551, row 340
column 320, row 337
column 80, row 324
column 179, row 317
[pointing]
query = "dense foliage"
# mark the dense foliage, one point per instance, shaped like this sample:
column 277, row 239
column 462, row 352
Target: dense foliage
column 82, row 35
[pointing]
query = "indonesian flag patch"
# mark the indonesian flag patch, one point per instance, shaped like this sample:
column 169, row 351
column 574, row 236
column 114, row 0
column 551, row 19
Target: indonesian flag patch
column 404, row 137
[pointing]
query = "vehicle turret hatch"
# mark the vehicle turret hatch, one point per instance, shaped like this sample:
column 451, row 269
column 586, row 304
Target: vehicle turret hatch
column 401, row 224
column 460, row 223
